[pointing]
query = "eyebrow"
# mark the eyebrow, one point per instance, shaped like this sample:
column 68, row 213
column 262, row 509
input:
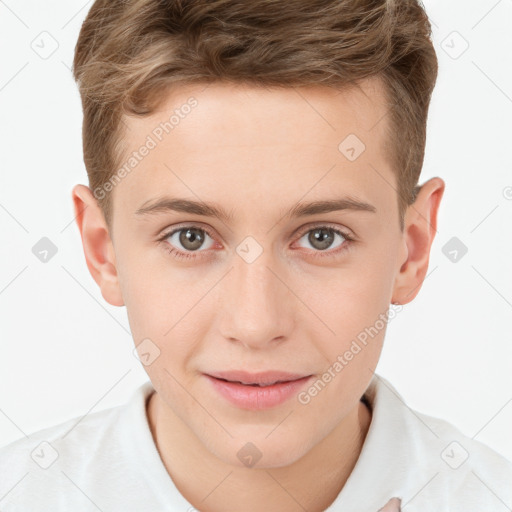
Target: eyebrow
column 167, row 204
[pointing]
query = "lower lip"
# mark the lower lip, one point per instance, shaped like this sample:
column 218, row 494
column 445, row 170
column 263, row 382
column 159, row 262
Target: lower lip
column 256, row 397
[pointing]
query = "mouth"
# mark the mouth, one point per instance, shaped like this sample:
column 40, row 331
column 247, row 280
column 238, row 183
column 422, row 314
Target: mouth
column 257, row 390
column 261, row 385
column 265, row 378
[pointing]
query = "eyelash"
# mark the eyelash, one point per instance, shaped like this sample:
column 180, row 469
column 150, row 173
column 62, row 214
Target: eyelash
column 319, row 254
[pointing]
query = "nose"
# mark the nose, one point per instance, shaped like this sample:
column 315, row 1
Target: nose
column 257, row 307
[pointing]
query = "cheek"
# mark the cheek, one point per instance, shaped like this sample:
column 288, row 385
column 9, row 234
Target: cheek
column 149, row 307
column 355, row 308
column 351, row 304
column 154, row 290
column 164, row 306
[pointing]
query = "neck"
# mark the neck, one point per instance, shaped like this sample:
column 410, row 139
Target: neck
column 313, row 482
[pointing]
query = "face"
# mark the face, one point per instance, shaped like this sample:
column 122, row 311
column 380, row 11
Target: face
column 269, row 284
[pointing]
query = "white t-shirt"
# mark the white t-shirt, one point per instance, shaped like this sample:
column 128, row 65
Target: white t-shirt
column 108, row 462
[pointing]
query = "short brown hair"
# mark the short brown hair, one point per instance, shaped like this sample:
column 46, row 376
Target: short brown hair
column 129, row 51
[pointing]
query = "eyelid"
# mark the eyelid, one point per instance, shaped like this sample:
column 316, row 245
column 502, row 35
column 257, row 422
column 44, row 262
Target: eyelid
column 185, row 225
column 300, row 232
column 343, row 231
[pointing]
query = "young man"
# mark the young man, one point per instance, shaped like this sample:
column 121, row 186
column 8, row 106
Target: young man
column 253, row 202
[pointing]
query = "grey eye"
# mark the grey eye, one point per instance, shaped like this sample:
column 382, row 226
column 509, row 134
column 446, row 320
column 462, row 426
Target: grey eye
column 190, row 239
column 322, row 238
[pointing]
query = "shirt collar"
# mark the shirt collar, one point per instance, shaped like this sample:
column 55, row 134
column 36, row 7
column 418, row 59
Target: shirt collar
column 394, row 460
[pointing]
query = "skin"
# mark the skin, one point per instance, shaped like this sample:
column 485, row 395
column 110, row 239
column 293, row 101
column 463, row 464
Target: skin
column 257, row 152
column 393, row 505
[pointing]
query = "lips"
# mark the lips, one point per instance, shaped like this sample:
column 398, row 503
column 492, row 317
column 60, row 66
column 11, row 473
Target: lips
column 262, row 379
column 257, row 391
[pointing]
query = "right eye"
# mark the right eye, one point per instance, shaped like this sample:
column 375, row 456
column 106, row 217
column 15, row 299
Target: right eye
column 185, row 240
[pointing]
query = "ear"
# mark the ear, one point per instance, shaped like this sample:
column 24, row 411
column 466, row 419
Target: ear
column 420, row 227
column 97, row 244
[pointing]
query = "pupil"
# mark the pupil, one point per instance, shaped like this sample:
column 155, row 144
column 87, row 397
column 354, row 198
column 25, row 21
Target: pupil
column 191, row 238
column 321, row 238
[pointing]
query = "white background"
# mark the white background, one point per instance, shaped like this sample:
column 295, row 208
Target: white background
column 66, row 352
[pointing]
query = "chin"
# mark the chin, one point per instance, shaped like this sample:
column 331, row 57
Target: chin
column 259, row 453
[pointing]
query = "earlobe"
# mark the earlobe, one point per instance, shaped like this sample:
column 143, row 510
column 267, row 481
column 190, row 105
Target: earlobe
column 419, row 233
column 97, row 244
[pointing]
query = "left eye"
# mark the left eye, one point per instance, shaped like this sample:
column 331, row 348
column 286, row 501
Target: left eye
column 322, row 237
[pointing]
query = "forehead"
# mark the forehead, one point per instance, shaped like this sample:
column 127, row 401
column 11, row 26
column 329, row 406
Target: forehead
column 272, row 143
column 242, row 110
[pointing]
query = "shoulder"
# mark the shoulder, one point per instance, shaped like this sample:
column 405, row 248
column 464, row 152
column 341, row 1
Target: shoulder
column 468, row 469
column 46, row 445
column 47, row 469
column 428, row 461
